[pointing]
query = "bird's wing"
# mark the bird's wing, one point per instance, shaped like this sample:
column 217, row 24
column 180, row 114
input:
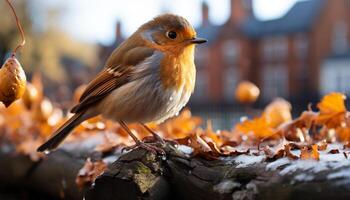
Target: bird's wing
column 118, row 73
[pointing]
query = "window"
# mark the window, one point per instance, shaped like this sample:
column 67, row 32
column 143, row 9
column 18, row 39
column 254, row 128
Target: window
column 302, row 45
column 275, row 82
column 335, row 76
column 230, row 83
column 339, row 37
column 230, row 51
column 275, row 48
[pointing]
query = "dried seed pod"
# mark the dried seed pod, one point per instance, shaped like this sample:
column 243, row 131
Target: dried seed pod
column 31, row 95
column 12, row 81
column 247, row 92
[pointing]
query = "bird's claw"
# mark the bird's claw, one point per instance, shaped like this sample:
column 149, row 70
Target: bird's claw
column 147, row 146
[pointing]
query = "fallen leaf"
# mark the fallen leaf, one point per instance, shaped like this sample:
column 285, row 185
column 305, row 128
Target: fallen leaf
column 278, row 112
column 332, row 110
column 289, row 154
column 89, row 172
column 310, row 154
column 334, row 151
column 255, row 129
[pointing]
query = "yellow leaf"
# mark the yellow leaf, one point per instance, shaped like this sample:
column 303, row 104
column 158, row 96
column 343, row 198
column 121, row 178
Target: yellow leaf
column 332, row 110
column 258, row 128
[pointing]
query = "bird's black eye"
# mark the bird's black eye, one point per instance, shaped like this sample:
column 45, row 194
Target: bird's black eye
column 171, row 34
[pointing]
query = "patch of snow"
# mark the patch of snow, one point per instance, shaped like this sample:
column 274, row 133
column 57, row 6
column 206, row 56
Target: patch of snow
column 303, row 177
column 332, row 157
column 246, row 160
column 333, row 146
column 226, row 186
column 299, row 165
column 252, row 187
column 184, row 149
column 276, row 164
column 110, row 159
column 327, row 162
column 345, row 173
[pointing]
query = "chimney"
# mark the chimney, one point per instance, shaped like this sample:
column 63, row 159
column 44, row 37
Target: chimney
column 240, row 10
column 205, row 13
column 118, row 32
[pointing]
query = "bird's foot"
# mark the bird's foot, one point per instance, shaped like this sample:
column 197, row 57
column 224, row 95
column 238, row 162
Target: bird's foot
column 147, row 146
column 156, row 137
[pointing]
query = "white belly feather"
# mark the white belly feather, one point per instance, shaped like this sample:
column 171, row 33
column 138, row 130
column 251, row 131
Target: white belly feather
column 144, row 100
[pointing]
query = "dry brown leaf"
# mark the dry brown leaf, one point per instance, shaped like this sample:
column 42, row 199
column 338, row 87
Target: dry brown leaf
column 89, row 172
column 310, row 154
column 289, row 154
column 322, row 146
column 334, row 151
column 278, row 112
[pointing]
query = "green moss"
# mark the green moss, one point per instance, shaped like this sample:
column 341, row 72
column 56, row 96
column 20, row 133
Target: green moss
column 142, row 169
column 143, row 177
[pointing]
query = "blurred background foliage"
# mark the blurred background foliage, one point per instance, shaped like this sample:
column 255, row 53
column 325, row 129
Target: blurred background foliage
column 48, row 49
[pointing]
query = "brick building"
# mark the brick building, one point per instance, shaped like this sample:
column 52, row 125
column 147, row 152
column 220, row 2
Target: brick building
column 298, row 56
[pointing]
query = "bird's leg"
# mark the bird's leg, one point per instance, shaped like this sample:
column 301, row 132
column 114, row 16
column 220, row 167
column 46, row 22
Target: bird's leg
column 155, row 135
column 139, row 143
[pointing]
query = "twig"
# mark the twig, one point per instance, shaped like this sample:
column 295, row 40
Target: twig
column 19, row 28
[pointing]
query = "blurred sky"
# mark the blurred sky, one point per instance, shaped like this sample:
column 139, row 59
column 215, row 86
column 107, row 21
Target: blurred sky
column 94, row 20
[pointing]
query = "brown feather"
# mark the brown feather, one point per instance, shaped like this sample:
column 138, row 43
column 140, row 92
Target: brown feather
column 117, row 74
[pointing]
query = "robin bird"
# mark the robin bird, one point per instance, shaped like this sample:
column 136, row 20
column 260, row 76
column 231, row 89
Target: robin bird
column 148, row 78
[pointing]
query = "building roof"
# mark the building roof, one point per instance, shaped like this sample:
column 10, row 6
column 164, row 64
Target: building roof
column 299, row 18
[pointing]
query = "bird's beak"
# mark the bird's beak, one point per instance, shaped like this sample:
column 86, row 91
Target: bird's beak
column 198, row 40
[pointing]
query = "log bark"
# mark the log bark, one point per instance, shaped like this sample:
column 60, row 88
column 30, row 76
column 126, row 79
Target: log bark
column 53, row 176
column 144, row 175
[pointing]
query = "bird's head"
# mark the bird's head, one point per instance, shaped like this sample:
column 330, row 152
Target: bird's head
column 169, row 32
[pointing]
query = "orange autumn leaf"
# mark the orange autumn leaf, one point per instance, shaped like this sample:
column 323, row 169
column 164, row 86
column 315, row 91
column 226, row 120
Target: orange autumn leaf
column 343, row 133
column 257, row 128
column 310, row 154
column 209, row 134
column 332, row 110
column 180, row 126
column 315, row 153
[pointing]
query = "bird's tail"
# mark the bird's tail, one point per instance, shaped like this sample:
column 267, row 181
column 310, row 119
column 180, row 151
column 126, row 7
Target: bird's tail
column 62, row 132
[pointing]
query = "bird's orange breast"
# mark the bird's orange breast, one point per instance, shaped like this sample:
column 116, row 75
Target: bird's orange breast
column 178, row 71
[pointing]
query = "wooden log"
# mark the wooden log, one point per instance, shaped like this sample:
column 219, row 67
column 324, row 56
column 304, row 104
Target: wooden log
column 143, row 175
column 54, row 176
column 181, row 177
